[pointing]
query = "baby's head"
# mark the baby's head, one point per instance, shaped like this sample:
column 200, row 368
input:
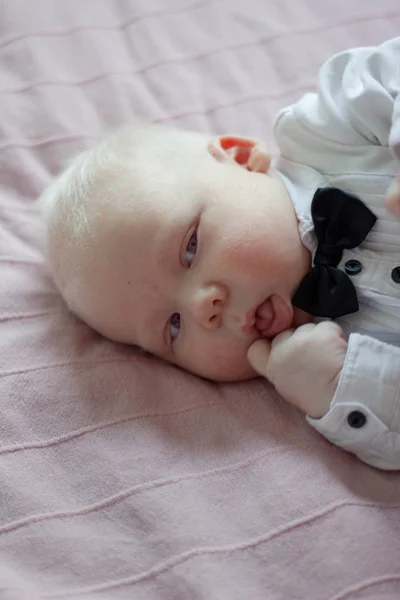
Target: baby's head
column 164, row 239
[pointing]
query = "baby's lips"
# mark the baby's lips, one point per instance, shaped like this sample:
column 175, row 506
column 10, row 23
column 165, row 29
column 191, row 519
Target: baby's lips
column 258, row 355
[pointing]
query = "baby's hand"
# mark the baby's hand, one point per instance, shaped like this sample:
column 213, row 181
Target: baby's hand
column 393, row 197
column 304, row 364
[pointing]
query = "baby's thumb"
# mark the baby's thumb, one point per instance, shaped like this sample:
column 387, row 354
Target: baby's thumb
column 258, row 355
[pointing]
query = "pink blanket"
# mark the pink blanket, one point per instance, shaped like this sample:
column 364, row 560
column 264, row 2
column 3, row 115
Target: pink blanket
column 122, row 477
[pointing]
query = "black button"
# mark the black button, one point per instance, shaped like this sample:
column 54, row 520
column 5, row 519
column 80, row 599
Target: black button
column 396, row 274
column 353, row 267
column 356, row 419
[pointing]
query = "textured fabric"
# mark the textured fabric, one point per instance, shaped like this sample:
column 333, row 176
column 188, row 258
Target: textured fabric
column 121, row 477
column 369, row 387
column 351, row 120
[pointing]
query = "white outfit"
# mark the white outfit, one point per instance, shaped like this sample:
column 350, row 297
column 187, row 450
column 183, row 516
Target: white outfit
column 346, row 136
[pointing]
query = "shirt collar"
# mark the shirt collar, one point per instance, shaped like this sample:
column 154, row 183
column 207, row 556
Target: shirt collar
column 301, row 183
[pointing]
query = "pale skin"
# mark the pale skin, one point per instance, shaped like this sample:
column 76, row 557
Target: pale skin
column 183, row 270
column 201, row 272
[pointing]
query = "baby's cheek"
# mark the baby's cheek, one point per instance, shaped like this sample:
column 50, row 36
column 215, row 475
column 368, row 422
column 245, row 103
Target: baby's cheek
column 246, row 254
column 219, row 361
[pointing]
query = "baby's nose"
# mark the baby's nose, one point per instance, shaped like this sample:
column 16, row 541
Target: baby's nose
column 208, row 305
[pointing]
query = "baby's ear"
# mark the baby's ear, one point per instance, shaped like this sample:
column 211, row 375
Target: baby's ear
column 246, row 152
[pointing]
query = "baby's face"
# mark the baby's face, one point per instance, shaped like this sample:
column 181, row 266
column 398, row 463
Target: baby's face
column 199, row 270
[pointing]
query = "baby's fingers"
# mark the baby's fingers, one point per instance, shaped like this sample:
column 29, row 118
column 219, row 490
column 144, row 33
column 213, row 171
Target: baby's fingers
column 258, row 355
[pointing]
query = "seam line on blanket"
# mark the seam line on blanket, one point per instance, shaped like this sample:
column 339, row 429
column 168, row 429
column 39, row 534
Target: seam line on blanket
column 116, row 499
column 239, row 101
column 364, row 585
column 215, row 51
column 128, row 23
column 201, row 111
column 26, row 262
column 169, row 564
column 92, row 428
column 32, row 315
column 64, row 138
column 72, row 363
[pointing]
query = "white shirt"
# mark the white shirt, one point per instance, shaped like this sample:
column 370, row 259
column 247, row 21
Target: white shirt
column 346, row 136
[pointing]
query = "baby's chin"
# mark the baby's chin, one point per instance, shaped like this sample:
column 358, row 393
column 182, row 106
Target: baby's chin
column 223, row 369
column 229, row 375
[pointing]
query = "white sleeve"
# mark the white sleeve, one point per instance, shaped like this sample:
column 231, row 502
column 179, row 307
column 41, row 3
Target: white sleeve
column 364, row 416
column 356, row 108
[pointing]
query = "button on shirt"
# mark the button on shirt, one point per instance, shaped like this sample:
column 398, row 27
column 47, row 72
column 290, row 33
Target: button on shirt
column 348, row 136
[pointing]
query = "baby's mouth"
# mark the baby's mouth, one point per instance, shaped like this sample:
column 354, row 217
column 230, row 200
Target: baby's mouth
column 273, row 316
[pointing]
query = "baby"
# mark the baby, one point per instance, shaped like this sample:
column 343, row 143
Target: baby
column 200, row 251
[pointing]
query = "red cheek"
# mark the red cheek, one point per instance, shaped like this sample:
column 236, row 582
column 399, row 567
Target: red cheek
column 245, row 255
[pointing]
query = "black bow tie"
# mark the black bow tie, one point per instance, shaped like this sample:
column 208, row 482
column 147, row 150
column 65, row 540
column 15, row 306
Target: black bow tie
column 341, row 221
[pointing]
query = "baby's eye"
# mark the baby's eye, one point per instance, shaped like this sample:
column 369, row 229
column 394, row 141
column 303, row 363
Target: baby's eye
column 174, row 326
column 191, row 249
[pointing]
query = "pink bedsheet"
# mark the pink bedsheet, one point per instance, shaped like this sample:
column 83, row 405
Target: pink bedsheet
column 122, row 477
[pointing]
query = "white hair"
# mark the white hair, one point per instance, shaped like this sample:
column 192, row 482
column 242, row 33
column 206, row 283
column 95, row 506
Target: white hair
column 75, row 202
